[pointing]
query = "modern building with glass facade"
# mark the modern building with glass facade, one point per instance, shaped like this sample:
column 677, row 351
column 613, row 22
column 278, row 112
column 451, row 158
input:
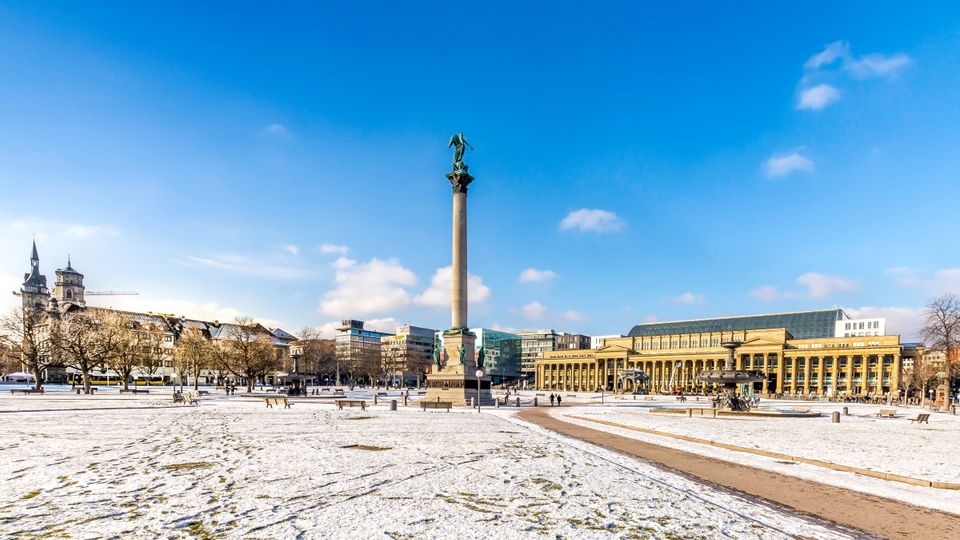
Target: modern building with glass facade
column 671, row 362
column 801, row 324
column 501, row 351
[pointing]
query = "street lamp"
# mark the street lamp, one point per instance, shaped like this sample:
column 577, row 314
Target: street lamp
column 479, row 375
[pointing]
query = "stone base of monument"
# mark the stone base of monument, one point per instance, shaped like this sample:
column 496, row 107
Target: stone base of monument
column 457, row 389
column 456, row 381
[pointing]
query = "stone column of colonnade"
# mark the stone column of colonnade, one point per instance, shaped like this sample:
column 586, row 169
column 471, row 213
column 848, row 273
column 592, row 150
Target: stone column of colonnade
column 820, row 383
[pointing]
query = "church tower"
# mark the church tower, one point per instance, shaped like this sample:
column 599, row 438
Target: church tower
column 69, row 286
column 34, row 292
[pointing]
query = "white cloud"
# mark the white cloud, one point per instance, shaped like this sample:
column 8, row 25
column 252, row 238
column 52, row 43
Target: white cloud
column 945, row 280
column 592, row 220
column 439, row 293
column 293, row 249
column 534, row 310
column 862, row 67
column 766, row 292
column 572, row 316
column 333, row 249
column 905, row 321
column 207, row 311
column 689, row 298
column 783, row 165
column 374, row 287
column 386, row 324
column 817, row 97
column 823, row 285
column 818, row 286
column 84, row 231
column 838, row 50
column 276, row 130
column 240, row 264
column 877, row 65
column 501, row 328
column 532, row 275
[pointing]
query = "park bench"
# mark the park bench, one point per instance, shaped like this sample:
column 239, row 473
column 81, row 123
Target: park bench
column 26, row 391
column 381, row 394
column 271, row 401
column 341, row 403
column 424, row 405
column 93, row 390
column 922, row 418
column 135, row 391
column 203, row 392
column 887, row 413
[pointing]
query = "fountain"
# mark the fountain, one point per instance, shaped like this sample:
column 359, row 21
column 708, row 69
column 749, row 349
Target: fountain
column 729, row 378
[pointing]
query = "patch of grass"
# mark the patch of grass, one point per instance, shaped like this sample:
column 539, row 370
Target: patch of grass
column 198, row 530
column 367, row 447
column 31, row 495
column 358, row 417
column 189, row 466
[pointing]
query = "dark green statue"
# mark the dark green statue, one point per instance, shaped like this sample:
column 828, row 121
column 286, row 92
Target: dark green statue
column 459, row 144
column 481, row 355
column 461, row 351
column 436, row 356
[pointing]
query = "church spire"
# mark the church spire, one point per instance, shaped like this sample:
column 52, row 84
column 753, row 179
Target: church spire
column 35, row 259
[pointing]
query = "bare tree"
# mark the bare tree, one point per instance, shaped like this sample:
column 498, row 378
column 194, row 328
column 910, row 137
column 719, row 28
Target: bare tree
column 250, row 351
column 154, row 354
column 192, row 355
column 941, row 331
column 128, row 353
column 27, row 341
column 83, row 342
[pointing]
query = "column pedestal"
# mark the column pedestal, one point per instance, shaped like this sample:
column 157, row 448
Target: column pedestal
column 455, row 381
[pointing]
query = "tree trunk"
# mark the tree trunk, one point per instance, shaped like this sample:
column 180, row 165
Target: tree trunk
column 249, row 385
column 126, row 380
column 86, row 380
column 37, row 377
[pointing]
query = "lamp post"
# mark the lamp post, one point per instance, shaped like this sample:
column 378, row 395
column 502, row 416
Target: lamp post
column 479, row 375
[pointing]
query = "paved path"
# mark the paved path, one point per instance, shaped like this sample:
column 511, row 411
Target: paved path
column 874, row 515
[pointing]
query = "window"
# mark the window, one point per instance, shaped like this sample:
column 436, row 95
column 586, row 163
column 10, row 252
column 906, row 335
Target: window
column 861, row 326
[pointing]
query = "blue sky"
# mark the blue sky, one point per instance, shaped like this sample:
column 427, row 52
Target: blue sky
column 633, row 162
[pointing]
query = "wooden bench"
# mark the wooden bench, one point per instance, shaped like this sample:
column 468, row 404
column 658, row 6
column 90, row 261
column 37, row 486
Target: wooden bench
column 424, row 405
column 135, row 391
column 887, row 413
column 93, row 390
column 341, row 403
column 26, row 391
column 271, row 401
column 203, row 392
column 922, row 418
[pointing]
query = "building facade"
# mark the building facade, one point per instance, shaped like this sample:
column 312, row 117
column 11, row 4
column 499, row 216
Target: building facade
column 358, row 350
column 671, row 362
column 597, row 342
column 876, row 326
column 407, row 355
column 533, row 343
column 68, row 299
column 566, row 341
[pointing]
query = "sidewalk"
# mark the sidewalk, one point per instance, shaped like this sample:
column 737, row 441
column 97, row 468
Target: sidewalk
column 874, row 515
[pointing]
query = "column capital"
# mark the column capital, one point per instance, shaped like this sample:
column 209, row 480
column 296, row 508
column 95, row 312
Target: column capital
column 459, row 180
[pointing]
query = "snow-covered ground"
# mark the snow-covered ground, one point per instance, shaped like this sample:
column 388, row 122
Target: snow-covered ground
column 232, row 468
column 890, row 445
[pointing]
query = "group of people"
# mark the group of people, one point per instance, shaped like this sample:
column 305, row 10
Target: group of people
column 555, row 398
column 230, row 389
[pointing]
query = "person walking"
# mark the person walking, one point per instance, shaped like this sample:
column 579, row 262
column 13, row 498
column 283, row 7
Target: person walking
column 558, row 400
column 552, row 399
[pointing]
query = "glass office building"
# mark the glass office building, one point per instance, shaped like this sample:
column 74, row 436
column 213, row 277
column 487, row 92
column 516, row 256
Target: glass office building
column 801, row 324
column 501, row 353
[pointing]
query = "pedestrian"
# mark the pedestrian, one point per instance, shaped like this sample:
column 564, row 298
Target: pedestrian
column 558, row 400
column 552, row 399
